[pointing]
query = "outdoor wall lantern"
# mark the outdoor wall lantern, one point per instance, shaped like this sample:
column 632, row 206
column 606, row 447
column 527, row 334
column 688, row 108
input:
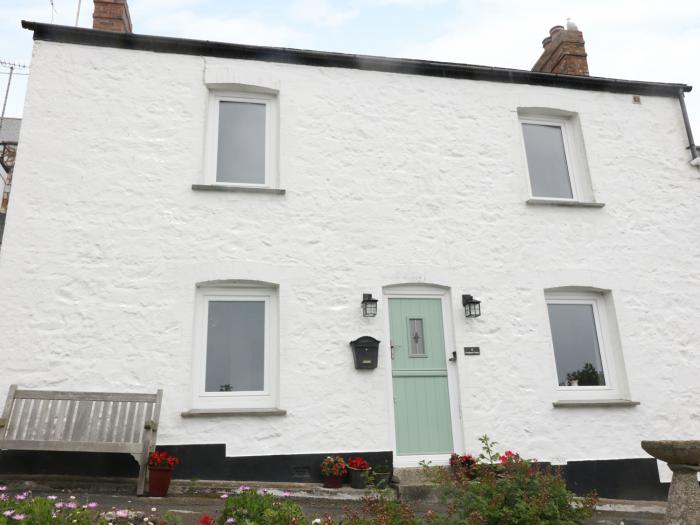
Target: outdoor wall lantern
column 472, row 307
column 369, row 305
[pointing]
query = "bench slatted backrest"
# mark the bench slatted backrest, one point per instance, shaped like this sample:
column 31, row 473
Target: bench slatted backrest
column 100, row 421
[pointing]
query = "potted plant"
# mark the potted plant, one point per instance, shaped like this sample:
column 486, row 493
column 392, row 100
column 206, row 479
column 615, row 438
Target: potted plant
column 381, row 474
column 160, row 472
column 359, row 472
column 333, row 468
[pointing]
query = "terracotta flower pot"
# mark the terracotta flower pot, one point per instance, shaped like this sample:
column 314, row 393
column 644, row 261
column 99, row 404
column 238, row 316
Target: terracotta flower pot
column 159, row 481
column 332, row 482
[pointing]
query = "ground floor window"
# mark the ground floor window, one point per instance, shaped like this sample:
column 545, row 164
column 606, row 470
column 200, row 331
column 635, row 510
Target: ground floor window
column 235, row 347
column 585, row 341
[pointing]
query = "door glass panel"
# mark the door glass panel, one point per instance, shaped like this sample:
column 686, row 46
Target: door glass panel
column 415, row 327
column 235, row 346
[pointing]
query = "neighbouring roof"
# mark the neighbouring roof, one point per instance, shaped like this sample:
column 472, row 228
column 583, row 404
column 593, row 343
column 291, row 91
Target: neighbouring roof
column 183, row 46
column 9, row 132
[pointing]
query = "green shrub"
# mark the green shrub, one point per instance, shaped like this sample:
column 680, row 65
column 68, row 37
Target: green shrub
column 379, row 510
column 508, row 490
column 20, row 509
column 250, row 507
column 24, row 509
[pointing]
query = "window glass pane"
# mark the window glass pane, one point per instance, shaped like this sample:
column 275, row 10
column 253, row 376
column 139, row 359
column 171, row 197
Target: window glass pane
column 241, row 155
column 546, row 161
column 416, row 333
column 235, row 346
column 576, row 347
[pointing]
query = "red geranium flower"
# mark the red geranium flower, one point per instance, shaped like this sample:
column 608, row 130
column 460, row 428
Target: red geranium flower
column 358, row 463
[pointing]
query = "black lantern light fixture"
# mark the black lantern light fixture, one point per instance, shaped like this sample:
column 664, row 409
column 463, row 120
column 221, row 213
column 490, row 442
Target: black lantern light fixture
column 472, row 307
column 369, row 305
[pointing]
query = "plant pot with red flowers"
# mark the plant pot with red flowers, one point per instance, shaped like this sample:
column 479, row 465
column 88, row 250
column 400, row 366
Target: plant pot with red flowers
column 333, row 468
column 359, row 472
column 160, row 472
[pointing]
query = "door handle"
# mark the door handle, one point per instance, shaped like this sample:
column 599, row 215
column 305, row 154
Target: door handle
column 454, row 356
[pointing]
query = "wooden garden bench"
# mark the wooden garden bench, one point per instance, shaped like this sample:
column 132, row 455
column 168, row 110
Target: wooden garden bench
column 82, row 422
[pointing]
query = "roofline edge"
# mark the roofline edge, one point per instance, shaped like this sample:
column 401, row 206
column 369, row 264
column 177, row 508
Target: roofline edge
column 161, row 44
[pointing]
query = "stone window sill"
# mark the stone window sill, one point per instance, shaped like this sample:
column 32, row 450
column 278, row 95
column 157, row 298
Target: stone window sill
column 583, row 403
column 228, row 412
column 554, row 202
column 237, row 189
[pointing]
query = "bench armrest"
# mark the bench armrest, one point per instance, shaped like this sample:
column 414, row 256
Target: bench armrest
column 151, row 425
column 3, row 422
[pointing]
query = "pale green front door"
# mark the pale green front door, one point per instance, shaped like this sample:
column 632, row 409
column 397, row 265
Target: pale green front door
column 419, row 371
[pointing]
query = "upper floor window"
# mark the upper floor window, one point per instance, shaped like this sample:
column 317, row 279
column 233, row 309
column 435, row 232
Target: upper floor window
column 555, row 157
column 547, row 159
column 242, row 139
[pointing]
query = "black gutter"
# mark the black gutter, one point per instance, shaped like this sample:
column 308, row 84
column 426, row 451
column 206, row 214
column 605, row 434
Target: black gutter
column 160, row 44
column 688, row 129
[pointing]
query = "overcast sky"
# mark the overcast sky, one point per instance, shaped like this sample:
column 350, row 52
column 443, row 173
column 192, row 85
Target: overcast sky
column 630, row 39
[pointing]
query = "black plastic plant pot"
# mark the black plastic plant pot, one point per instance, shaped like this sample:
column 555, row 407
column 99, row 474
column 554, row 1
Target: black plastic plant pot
column 365, row 351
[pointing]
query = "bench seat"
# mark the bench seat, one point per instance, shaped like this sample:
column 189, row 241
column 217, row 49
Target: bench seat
column 64, row 421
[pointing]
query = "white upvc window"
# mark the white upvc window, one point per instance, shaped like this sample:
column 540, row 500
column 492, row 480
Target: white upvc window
column 236, row 348
column 242, row 131
column 555, row 158
column 588, row 361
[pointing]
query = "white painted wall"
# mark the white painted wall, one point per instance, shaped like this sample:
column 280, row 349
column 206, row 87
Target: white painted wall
column 390, row 179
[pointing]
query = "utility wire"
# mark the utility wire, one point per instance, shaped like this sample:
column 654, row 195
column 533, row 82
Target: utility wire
column 8, row 63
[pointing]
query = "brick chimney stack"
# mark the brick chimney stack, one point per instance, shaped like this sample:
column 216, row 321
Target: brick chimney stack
column 564, row 52
column 111, row 15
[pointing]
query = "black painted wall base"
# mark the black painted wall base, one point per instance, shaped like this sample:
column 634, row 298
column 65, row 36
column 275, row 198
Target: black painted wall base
column 634, row 479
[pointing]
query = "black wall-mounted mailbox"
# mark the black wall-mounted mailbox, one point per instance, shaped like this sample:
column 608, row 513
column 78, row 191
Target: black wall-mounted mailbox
column 365, row 350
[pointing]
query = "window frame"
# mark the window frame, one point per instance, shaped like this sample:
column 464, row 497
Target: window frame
column 211, row 158
column 608, row 352
column 266, row 398
column 564, row 124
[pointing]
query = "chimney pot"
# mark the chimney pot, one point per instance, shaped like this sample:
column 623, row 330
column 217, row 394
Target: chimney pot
column 111, row 15
column 546, row 42
column 555, row 30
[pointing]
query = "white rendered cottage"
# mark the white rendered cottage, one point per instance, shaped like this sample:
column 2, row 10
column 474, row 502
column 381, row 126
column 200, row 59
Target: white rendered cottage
column 205, row 218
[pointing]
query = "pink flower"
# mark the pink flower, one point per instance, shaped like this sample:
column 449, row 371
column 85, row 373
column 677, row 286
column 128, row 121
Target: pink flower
column 21, row 497
column 92, row 505
column 231, row 520
column 3, row 497
column 59, row 505
column 51, row 497
column 72, row 505
column 286, row 494
column 18, row 517
column 123, row 513
column 243, row 488
column 3, row 488
column 8, row 512
column 224, row 496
